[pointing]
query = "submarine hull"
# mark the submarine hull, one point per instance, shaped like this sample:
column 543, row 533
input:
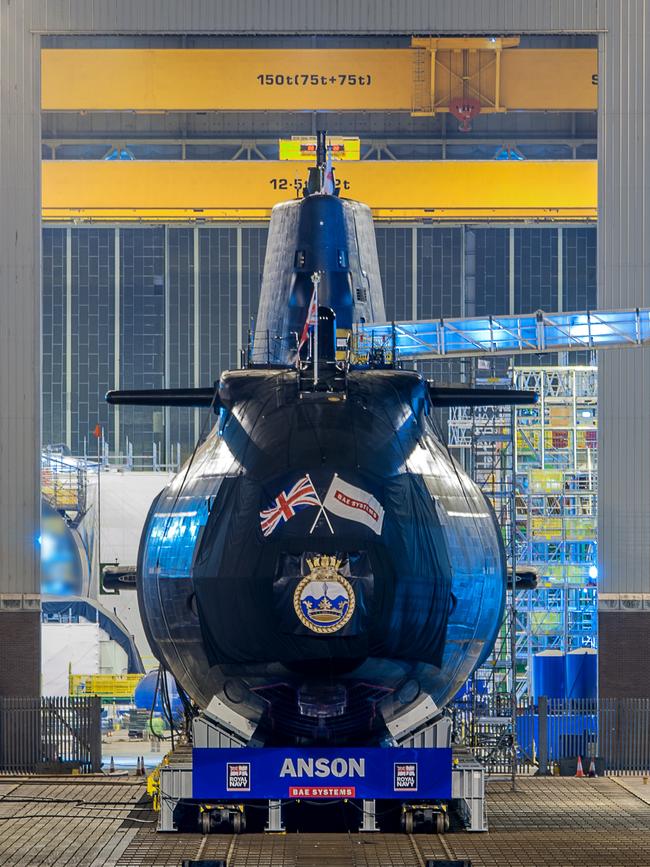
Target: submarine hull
column 321, row 569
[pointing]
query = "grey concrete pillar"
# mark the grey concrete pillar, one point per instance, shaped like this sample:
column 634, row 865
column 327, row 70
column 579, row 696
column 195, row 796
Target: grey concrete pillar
column 624, row 376
column 20, row 353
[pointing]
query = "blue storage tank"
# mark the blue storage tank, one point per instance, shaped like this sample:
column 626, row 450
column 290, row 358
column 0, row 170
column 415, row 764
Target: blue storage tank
column 582, row 673
column 549, row 674
column 144, row 692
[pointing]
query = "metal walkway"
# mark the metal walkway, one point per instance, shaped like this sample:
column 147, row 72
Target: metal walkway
column 102, row 822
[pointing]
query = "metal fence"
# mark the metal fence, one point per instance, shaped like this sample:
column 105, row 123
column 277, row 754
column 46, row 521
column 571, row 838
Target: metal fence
column 41, row 735
column 484, row 724
column 624, row 735
column 551, row 734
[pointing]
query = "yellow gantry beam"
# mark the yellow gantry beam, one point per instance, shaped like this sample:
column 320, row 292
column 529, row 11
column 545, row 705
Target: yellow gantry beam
column 424, row 79
column 238, row 190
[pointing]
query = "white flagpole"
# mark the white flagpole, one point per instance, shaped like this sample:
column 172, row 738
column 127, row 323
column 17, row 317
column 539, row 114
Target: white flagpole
column 321, row 511
column 315, row 278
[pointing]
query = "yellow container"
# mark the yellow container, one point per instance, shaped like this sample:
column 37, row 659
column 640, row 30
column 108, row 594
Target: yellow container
column 104, row 685
column 546, row 482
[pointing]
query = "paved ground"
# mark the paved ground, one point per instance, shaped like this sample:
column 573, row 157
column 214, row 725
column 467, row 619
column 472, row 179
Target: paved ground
column 107, row 822
column 126, row 751
column 639, row 786
column 47, row 820
column 559, row 822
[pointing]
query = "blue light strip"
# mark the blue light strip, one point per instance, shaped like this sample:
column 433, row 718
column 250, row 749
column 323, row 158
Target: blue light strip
column 508, row 335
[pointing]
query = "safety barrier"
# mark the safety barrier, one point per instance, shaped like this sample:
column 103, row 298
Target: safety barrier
column 48, row 735
column 551, row 734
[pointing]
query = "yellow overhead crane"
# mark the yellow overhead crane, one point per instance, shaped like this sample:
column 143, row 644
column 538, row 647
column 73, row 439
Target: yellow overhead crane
column 247, row 190
column 463, row 76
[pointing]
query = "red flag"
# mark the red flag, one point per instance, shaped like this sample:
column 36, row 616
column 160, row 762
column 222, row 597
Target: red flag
column 312, row 313
column 98, row 431
column 328, row 179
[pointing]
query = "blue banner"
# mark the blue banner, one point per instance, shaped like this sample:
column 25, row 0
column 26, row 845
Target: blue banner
column 247, row 773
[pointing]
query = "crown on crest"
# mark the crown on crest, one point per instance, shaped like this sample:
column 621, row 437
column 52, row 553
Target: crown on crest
column 324, row 561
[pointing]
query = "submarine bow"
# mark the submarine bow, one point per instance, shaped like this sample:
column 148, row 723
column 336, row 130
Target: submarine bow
column 321, row 570
column 324, row 566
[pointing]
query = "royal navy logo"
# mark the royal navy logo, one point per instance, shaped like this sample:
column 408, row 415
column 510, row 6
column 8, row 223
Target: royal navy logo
column 238, row 776
column 405, row 777
column 324, row 600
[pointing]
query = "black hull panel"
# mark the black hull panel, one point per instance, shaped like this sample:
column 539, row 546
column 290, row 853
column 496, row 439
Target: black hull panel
column 229, row 605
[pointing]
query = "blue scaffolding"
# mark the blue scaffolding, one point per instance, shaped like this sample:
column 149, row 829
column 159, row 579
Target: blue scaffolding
column 552, row 461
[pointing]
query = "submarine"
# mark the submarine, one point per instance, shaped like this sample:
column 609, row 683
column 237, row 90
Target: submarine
column 321, row 571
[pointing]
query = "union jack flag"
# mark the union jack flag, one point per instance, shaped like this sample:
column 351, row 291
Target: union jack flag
column 287, row 503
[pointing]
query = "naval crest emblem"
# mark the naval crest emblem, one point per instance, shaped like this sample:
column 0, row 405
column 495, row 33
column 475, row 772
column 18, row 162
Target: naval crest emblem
column 324, row 600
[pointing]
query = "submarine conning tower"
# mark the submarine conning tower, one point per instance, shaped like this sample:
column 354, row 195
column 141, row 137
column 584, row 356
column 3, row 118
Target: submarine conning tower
column 319, row 233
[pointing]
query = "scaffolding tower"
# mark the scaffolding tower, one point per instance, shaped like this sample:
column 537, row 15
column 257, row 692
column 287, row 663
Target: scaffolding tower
column 540, row 464
column 482, row 439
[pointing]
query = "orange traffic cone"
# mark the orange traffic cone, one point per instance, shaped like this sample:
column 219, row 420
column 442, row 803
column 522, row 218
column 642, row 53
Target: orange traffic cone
column 592, row 769
column 111, row 769
column 579, row 771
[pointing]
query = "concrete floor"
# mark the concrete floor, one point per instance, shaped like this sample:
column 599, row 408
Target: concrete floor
column 107, row 822
column 638, row 786
column 125, row 752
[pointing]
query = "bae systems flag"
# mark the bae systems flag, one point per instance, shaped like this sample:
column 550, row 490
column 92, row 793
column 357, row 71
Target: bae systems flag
column 355, row 504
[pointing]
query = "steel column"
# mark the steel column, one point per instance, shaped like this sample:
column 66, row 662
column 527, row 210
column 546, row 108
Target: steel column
column 240, row 278
column 197, row 324
column 167, row 379
column 414, row 273
column 68, row 337
column 117, row 338
column 563, row 357
column 511, row 270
